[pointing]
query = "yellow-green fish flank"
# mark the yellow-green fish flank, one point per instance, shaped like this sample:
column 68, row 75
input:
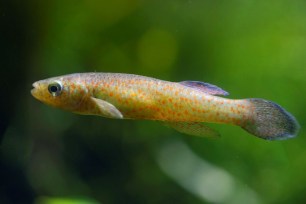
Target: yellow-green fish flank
column 185, row 106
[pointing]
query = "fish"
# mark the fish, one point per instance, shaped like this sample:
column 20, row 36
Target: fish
column 186, row 106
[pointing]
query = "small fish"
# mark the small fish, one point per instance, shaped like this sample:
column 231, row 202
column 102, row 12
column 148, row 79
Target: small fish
column 185, row 106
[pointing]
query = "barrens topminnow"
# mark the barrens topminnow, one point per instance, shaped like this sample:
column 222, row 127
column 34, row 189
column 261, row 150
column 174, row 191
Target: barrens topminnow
column 184, row 106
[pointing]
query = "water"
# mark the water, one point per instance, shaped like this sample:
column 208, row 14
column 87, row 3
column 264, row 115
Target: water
column 250, row 49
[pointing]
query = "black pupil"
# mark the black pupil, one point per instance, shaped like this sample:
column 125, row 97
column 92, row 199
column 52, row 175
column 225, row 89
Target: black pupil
column 53, row 88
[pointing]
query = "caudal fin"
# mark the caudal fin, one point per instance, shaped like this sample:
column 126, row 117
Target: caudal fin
column 269, row 121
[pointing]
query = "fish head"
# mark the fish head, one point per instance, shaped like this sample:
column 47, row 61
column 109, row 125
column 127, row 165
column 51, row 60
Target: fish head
column 65, row 92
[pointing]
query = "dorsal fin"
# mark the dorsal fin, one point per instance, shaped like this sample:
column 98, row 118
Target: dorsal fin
column 205, row 87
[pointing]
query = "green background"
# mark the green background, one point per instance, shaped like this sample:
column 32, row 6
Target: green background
column 249, row 48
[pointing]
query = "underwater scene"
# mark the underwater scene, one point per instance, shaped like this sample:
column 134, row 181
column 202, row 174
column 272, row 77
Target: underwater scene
column 150, row 101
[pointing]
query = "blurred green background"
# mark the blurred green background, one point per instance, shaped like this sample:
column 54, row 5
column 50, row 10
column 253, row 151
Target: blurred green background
column 249, row 48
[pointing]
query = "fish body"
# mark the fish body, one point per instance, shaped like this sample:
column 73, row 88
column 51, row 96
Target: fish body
column 185, row 106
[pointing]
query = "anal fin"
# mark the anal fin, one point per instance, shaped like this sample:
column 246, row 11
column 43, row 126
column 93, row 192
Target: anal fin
column 193, row 128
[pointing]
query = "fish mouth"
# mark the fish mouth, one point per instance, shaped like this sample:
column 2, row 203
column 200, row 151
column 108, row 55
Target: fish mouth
column 34, row 89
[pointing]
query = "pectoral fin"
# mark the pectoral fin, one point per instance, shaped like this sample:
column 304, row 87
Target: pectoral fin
column 106, row 109
column 193, row 128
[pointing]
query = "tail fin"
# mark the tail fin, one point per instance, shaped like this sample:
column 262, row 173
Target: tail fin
column 270, row 121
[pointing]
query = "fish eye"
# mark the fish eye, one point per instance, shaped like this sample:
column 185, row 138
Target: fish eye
column 55, row 88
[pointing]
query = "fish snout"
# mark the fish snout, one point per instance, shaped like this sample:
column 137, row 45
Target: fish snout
column 35, row 84
column 35, row 88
